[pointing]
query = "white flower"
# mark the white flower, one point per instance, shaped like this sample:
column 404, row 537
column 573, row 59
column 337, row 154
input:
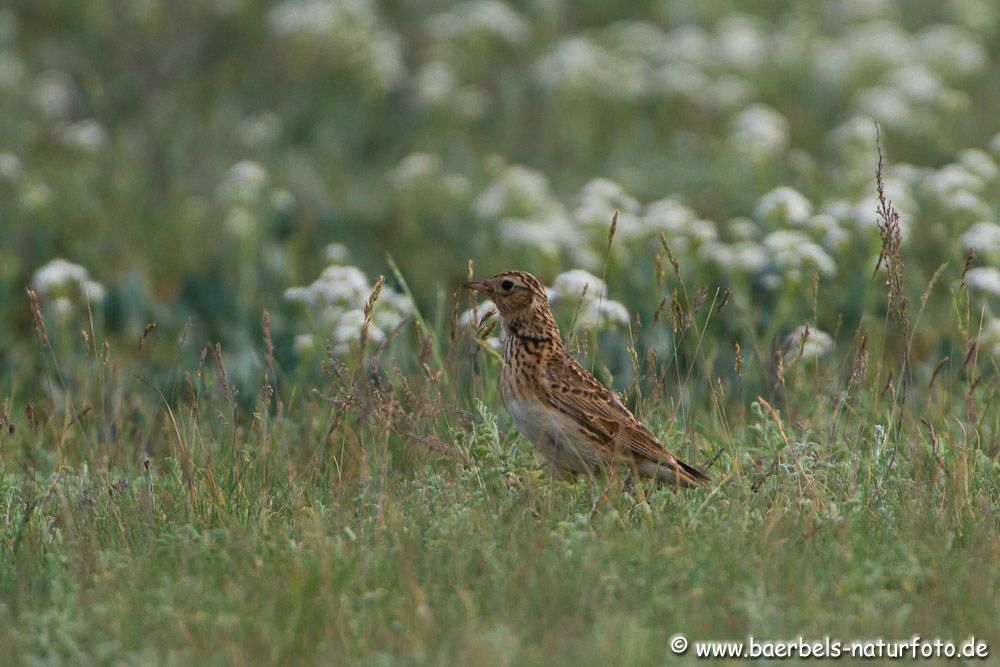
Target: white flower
column 600, row 199
column 793, row 252
column 691, row 44
column 315, row 18
column 995, row 144
column 741, row 42
column 12, row 71
column 668, row 215
column 517, row 192
column 887, row 105
column 10, row 167
column 901, row 196
column 578, row 64
column 337, row 285
column 573, row 63
column 415, row 169
column 486, row 312
column 304, row 344
column 344, row 34
column 281, row 200
column 240, row 222
column 63, row 279
column 435, row 83
column 855, row 136
column 473, row 317
column 759, row 131
column 62, row 306
column 984, row 279
column 337, row 299
column 386, row 59
column 742, row 229
column 683, row 80
column 979, row 163
column 583, row 289
column 420, row 182
column 853, row 10
column 828, row 229
column 740, row 257
column 85, row 135
column 335, row 253
column 342, row 284
column 983, row 237
column 469, row 20
column 953, row 178
column 259, row 130
column 54, row 94
column 601, row 312
column 729, row 92
column 94, row 290
column 682, row 227
column 547, row 234
column 386, row 319
column 36, row 196
column 575, row 284
column 244, row 183
column 806, row 342
column 783, row 206
column 918, row 83
column 346, row 330
column 967, row 204
column 952, row 51
column 989, row 338
column 57, row 274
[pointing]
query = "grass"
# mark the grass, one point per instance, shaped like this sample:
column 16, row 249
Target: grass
column 200, row 492
column 388, row 513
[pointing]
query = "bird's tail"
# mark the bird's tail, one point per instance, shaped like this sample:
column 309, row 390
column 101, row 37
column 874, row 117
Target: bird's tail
column 675, row 471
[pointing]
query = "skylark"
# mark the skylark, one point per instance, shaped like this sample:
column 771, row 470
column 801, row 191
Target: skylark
column 575, row 422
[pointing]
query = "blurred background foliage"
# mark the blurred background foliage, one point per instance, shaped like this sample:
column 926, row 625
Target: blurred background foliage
column 195, row 158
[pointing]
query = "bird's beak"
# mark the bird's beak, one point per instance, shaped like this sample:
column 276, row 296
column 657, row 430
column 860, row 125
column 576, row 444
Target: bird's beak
column 478, row 285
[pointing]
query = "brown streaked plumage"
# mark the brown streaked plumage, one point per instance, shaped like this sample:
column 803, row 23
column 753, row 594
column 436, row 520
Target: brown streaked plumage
column 572, row 419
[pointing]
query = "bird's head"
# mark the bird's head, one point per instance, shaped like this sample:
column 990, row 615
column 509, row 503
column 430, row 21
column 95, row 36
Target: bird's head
column 521, row 300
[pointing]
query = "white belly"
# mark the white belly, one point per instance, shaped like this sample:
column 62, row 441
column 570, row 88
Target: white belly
column 530, row 417
column 554, row 436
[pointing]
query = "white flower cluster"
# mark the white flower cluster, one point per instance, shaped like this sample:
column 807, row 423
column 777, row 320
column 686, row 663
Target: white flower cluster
column 335, row 304
column 802, row 241
column 989, row 338
column 634, row 61
column 246, row 193
column 474, row 20
column 759, row 132
column 66, row 285
column 54, row 94
column 420, row 182
column 806, row 342
column 86, row 136
column 985, row 279
column 342, row 35
column 962, row 189
column 530, row 216
column 588, row 293
column 11, row 168
column 437, row 86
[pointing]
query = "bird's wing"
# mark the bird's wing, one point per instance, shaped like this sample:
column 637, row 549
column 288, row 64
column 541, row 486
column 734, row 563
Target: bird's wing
column 573, row 391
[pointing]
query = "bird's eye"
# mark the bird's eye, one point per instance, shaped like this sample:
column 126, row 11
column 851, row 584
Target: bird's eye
column 507, row 285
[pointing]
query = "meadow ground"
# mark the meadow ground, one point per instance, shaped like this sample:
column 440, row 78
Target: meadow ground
column 384, row 516
column 223, row 442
